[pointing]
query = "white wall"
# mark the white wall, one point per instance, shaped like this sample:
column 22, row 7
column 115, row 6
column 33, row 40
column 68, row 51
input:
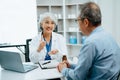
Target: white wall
column 110, row 16
column 18, row 20
column 117, row 20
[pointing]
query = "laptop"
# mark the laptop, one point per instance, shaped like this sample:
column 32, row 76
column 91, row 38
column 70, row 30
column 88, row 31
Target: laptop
column 12, row 61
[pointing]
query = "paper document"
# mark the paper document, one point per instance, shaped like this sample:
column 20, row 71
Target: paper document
column 48, row 64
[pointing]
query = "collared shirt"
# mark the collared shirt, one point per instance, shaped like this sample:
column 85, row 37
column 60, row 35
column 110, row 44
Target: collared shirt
column 99, row 58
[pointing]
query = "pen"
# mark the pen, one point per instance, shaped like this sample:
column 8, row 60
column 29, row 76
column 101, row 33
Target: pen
column 46, row 62
column 39, row 64
column 42, row 67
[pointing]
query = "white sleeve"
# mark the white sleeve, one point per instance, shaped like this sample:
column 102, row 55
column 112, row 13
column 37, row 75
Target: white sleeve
column 33, row 54
column 62, row 48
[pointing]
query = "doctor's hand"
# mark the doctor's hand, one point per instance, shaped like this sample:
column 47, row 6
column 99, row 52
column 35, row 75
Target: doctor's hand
column 53, row 51
column 41, row 45
column 61, row 66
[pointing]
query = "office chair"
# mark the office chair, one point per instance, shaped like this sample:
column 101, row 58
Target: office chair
column 27, row 50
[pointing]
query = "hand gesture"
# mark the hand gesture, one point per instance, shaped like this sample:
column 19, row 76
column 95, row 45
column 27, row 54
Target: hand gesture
column 67, row 63
column 53, row 51
column 41, row 45
column 61, row 66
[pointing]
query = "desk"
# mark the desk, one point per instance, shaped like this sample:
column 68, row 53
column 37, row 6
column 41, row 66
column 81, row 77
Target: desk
column 36, row 74
column 18, row 47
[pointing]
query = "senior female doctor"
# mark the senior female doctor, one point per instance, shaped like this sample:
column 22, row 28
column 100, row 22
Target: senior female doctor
column 48, row 45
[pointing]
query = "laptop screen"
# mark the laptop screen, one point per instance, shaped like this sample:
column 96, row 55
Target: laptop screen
column 11, row 61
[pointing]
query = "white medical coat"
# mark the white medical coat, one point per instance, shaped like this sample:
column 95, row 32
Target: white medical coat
column 58, row 42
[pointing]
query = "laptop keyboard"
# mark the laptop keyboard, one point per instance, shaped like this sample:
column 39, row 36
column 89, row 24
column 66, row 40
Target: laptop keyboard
column 29, row 67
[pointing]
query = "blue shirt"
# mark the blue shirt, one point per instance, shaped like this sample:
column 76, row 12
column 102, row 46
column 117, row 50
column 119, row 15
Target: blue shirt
column 48, row 48
column 99, row 58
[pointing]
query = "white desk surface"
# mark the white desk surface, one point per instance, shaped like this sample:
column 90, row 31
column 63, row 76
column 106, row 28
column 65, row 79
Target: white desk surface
column 36, row 74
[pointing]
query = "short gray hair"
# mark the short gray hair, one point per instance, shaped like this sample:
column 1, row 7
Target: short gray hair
column 47, row 14
column 91, row 11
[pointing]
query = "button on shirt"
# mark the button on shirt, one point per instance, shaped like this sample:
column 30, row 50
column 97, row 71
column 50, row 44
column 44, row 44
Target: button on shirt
column 99, row 58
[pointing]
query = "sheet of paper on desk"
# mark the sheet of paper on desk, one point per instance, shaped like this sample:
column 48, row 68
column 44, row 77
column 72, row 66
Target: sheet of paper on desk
column 48, row 64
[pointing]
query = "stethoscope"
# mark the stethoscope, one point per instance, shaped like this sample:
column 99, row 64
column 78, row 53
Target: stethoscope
column 48, row 46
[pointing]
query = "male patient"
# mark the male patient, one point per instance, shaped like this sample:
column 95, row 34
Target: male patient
column 99, row 57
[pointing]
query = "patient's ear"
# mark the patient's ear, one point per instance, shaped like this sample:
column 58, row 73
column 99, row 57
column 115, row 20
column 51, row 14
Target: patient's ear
column 86, row 22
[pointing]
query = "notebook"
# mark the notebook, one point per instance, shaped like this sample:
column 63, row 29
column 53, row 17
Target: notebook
column 48, row 64
column 12, row 61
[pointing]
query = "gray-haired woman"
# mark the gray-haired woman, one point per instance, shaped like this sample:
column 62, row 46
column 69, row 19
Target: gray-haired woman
column 48, row 45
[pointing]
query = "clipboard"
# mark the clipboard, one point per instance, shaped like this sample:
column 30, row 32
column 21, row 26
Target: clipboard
column 48, row 64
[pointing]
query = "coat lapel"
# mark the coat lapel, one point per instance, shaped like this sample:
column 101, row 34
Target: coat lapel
column 54, row 38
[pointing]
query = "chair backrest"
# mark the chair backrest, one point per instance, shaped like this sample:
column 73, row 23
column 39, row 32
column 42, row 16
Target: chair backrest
column 27, row 50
